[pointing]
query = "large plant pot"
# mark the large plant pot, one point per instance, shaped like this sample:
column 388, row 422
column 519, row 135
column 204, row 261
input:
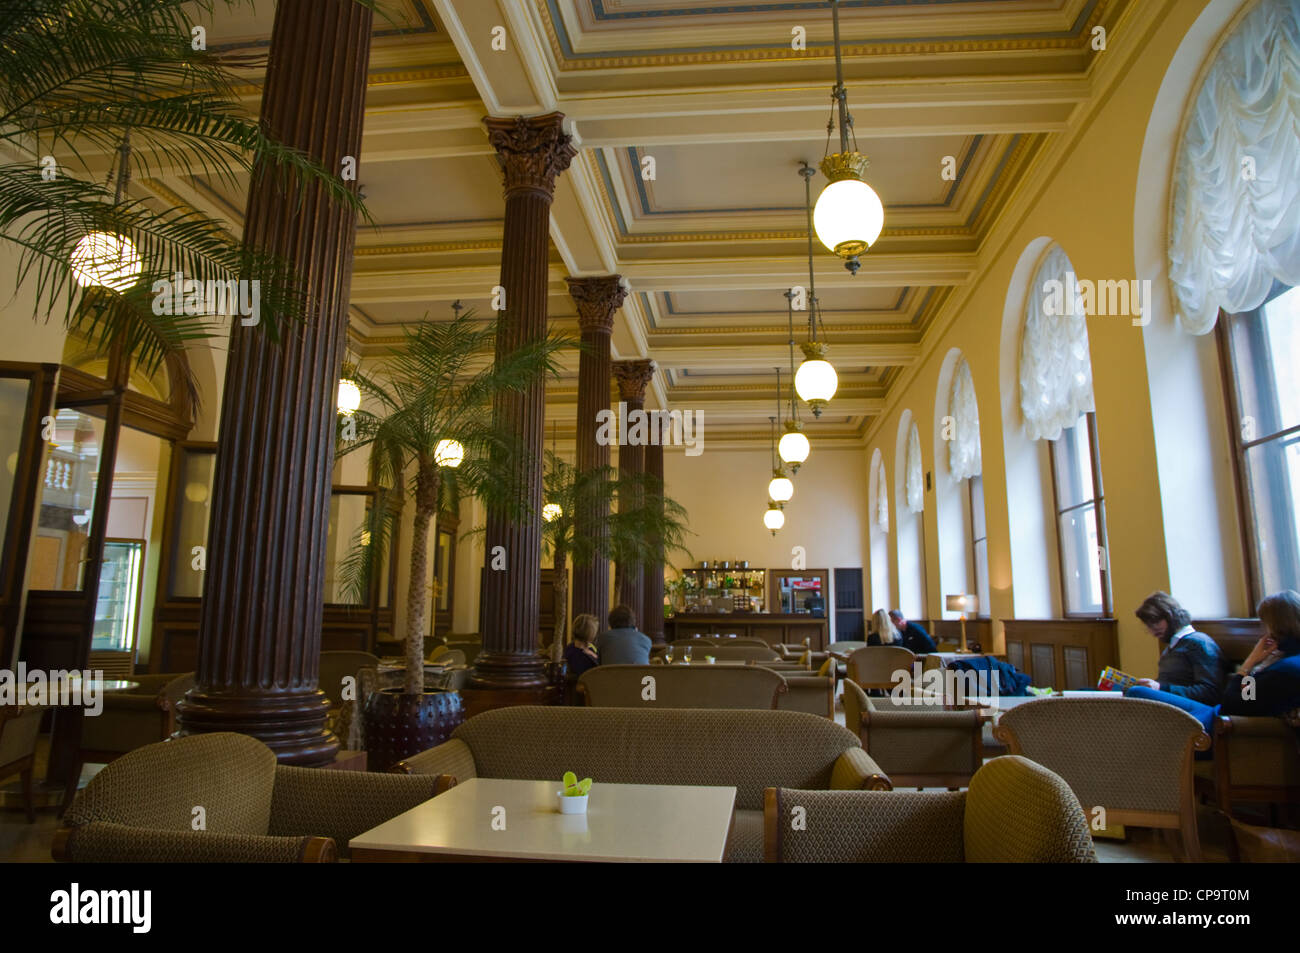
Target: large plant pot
column 396, row 725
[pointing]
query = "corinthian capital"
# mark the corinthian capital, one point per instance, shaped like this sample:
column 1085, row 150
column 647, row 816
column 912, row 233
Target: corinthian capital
column 532, row 151
column 632, row 377
column 597, row 299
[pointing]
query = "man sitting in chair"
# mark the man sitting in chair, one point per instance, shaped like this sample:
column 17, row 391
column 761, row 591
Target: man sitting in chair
column 915, row 638
column 623, row 644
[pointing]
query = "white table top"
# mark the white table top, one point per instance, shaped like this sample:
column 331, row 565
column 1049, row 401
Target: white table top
column 624, row 822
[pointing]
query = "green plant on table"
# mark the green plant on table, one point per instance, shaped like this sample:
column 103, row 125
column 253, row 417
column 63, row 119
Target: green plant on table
column 575, row 788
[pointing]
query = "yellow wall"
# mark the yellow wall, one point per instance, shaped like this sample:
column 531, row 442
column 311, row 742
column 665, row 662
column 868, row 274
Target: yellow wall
column 1082, row 196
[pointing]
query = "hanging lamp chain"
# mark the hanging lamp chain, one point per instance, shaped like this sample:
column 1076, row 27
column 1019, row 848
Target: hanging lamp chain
column 814, row 307
column 840, row 95
column 123, row 167
column 789, row 309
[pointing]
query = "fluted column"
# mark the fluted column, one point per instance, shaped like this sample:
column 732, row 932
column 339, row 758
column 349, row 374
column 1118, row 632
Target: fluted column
column 260, row 622
column 654, row 571
column 597, row 299
column 532, row 152
column 632, row 377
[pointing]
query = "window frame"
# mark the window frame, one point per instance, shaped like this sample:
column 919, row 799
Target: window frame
column 984, row 611
column 1248, row 530
column 1098, row 503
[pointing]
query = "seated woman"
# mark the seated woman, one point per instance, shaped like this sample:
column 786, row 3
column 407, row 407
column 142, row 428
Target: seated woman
column 580, row 654
column 1267, row 683
column 883, row 630
column 1191, row 664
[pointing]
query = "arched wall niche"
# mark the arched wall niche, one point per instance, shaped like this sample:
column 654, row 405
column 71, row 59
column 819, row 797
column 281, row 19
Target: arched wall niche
column 951, row 501
column 1035, row 560
column 909, row 535
column 1193, row 436
column 881, row 592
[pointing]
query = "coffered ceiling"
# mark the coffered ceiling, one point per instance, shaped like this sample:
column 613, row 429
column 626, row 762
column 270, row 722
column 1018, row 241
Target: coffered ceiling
column 715, row 96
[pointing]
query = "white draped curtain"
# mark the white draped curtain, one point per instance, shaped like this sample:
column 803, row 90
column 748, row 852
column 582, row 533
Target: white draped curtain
column 882, row 497
column 1055, row 364
column 915, row 476
column 1235, row 219
column 964, row 459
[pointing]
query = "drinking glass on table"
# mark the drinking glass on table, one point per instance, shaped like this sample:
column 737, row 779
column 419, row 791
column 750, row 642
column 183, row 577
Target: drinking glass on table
column 668, row 655
column 686, row 654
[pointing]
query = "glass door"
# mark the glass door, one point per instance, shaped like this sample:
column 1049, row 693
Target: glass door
column 26, row 396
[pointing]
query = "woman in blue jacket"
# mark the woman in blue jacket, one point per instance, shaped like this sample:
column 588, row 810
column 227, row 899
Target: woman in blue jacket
column 1267, row 683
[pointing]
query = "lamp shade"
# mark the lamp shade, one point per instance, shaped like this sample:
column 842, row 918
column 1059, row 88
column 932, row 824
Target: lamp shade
column 552, row 512
column 448, row 453
column 105, row 259
column 961, row 603
column 349, row 396
column 816, row 381
column 780, row 489
column 849, row 215
column 773, row 519
column 794, row 446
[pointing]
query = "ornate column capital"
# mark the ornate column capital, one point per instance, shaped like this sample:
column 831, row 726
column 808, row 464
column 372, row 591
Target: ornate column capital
column 597, row 299
column 532, row 151
column 632, row 377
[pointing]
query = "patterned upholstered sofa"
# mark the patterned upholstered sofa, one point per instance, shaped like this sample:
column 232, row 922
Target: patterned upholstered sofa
column 141, row 807
column 1016, row 811
column 681, row 686
column 750, row 750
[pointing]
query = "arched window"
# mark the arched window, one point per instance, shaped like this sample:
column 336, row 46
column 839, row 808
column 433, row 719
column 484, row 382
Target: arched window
column 1057, row 403
column 878, row 532
column 963, row 562
column 909, row 478
column 1234, row 250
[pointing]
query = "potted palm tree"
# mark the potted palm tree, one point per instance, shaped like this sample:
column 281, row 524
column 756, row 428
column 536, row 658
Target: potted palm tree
column 432, row 423
column 121, row 79
column 641, row 521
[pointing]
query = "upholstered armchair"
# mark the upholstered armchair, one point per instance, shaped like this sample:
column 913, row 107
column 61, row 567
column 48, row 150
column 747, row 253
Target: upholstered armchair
column 1128, row 756
column 143, row 807
column 130, row 719
column 20, row 726
column 1255, row 759
column 918, row 744
column 873, row 667
column 1016, row 811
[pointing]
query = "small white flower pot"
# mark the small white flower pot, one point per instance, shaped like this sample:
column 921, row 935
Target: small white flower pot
column 573, row 805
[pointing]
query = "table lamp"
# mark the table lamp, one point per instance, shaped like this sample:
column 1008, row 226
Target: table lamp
column 963, row 604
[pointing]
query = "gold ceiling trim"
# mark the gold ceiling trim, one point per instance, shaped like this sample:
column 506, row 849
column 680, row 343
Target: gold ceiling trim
column 782, row 54
column 428, row 247
column 724, row 330
column 378, row 79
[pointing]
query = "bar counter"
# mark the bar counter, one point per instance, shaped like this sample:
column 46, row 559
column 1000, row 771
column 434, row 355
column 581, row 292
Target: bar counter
column 772, row 627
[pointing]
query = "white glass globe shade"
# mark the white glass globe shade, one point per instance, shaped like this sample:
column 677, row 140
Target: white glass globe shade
column 349, row 396
column 773, row 519
column 780, row 489
column 105, row 259
column 794, row 447
column 816, row 381
column 552, row 512
column 848, row 215
column 449, row 453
